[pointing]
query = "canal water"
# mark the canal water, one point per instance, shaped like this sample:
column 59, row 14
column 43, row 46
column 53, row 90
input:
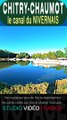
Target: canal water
column 26, row 72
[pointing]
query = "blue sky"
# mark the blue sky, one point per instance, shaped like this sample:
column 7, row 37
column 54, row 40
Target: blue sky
column 33, row 39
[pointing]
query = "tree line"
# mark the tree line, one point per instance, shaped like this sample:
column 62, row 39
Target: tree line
column 50, row 54
column 7, row 54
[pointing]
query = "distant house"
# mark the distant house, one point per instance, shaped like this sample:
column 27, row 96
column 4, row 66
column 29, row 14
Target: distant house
column 62, row 58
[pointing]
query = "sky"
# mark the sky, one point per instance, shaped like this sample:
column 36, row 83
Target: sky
column 33, row 39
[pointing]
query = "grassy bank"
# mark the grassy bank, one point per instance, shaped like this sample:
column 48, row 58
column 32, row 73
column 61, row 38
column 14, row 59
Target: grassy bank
column 27, row 89
column 59, row 87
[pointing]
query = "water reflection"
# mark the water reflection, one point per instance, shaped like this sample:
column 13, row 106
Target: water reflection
column 9, row 64
column 23, row 63
column 6, row 64
column 65, row 70
column 21, row 72
column 61, row 67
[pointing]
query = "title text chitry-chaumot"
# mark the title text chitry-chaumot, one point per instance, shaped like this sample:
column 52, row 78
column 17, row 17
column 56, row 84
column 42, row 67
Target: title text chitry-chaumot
column 33, row 8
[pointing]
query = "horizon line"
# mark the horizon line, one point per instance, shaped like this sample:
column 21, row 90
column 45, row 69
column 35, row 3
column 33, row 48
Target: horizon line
column 34, row 52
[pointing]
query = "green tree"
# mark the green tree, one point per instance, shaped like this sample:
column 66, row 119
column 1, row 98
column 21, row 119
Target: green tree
column 51, row 55
column 36, row 55
column 65, row 51
column 23, row 55
column 6, row 54
column 44, row 55
column 59, row 53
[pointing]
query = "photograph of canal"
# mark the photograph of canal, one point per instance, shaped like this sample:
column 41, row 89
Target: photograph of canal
column 33, row 60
